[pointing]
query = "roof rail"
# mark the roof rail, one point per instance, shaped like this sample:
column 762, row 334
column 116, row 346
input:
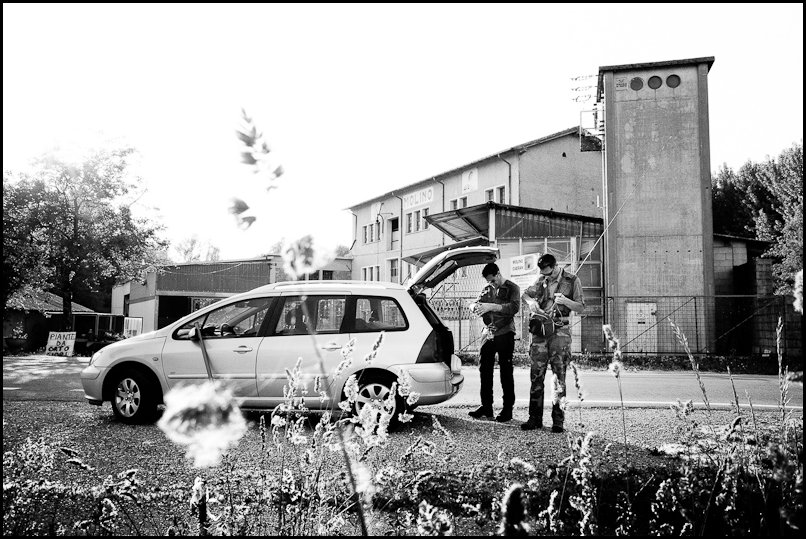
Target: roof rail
column 297, row 283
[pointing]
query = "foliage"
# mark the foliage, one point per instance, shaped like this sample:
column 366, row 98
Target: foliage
column 23, row 240
column 765, row 200
column 84, row 233
column 192, row 250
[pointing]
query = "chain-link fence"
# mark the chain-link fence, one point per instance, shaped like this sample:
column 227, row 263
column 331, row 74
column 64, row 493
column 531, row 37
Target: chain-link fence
column 715, row 325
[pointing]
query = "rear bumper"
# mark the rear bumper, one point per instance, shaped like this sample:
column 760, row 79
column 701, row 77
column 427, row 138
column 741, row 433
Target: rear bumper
column 433, row 381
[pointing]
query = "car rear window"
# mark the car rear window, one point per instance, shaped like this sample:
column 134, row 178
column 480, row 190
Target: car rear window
column 377, row 314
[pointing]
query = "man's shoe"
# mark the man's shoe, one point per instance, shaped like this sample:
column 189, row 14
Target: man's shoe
column 556, row 429
column 532, row 424
column 481, row 411
column 505, row 415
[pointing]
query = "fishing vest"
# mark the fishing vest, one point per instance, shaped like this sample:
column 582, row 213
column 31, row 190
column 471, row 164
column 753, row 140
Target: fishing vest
column 565, row 286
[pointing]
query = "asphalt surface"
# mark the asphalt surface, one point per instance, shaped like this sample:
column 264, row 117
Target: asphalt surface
column 55, row 378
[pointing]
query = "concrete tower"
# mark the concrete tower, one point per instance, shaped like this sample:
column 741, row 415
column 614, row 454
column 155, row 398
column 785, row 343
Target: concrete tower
column 657, row 189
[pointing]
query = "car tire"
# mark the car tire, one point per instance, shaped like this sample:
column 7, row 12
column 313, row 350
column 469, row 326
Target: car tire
column 134, row 398
column 377, row 388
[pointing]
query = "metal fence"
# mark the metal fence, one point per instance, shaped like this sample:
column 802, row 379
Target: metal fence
column 715, row 325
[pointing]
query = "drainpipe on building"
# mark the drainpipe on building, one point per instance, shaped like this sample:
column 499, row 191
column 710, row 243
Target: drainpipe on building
column 401, row 224
column 434, row 179
column 509, row 178
column 355, row 227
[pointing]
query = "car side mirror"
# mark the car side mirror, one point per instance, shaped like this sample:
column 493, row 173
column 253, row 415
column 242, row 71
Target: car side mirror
column 191, row 333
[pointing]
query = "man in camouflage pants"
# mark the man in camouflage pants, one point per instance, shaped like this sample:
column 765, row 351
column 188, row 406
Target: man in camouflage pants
column 561, row 292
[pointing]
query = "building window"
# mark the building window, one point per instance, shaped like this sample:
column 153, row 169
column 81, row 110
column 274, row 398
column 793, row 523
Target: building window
column 363, row 274
column 408, row 223
column 502, row 191
column 454, row 204
column 489, row 195
column 417, row 220
column 371, row 233
column 377, row 273
column 326, row 275
column 394, row 274
column 425, row 214
column 463, row 202
column 365, row 234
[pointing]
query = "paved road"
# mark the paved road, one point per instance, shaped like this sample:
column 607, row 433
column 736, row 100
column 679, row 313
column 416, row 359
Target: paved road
column 57, row 378
column 643, row 389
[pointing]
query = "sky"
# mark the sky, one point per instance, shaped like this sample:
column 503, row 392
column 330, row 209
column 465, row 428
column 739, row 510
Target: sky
column 356, row 100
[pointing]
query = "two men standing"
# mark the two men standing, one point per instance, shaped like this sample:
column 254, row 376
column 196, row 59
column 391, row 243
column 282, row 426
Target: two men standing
column 555, row 293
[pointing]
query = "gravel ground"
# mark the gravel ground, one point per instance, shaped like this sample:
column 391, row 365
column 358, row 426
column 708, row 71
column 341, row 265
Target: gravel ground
column 111, row 447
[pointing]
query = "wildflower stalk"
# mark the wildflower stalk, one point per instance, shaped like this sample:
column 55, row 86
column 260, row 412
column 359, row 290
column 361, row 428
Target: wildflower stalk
column 783, row 383
column 615, row 369
column 681, row 337
column 347, row 461
column 738, row 408
column 578, row 385
column 758, row 448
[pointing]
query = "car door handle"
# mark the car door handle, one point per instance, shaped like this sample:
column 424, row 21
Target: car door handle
column 331, row 346
column 242, row 349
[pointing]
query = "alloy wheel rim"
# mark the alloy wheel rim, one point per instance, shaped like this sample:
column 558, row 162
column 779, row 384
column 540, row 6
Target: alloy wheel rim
column 374, row 393
column 127, row 397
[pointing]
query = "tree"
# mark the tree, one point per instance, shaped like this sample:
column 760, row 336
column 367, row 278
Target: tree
column 190, row 250
column 783, row 178
column 765, row 200
column 23, row 268
column 85, row 234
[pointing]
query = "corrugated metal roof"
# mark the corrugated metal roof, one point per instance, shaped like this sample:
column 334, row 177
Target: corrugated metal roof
column 526, row 145
column 45, row 302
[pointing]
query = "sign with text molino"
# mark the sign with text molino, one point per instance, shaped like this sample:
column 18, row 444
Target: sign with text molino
column 61, row 343
column 523, row 270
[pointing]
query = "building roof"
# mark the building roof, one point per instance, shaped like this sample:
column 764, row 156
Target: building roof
column 45, row 302
column 742, row 238
column 666, row 63
column 521, row 147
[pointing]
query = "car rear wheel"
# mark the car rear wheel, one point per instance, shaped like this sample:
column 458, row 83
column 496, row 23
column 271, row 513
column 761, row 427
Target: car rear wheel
column 134, row 399
column 374, row 392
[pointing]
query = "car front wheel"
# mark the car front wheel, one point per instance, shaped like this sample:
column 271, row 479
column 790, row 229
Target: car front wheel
column 134, row 399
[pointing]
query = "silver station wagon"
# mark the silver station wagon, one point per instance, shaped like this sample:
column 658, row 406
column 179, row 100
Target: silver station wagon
column 250, row 340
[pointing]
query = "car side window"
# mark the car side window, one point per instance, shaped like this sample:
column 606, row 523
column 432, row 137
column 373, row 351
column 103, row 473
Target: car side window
column 378, row 314
column 319, row 314
column 235, row 320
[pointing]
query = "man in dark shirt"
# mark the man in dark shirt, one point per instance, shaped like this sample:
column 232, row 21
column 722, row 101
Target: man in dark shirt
column 497, row 306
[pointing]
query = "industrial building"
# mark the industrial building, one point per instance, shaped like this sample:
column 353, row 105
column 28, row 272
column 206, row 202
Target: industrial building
column 624, row 200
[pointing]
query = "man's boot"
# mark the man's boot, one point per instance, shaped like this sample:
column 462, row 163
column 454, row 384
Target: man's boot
column 532, row 424
column 505, row 415
column 481, row 411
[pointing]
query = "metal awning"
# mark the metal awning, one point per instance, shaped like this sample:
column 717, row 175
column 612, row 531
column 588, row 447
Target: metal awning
column 421, row 258
column 511, row 222
column 463, row 223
